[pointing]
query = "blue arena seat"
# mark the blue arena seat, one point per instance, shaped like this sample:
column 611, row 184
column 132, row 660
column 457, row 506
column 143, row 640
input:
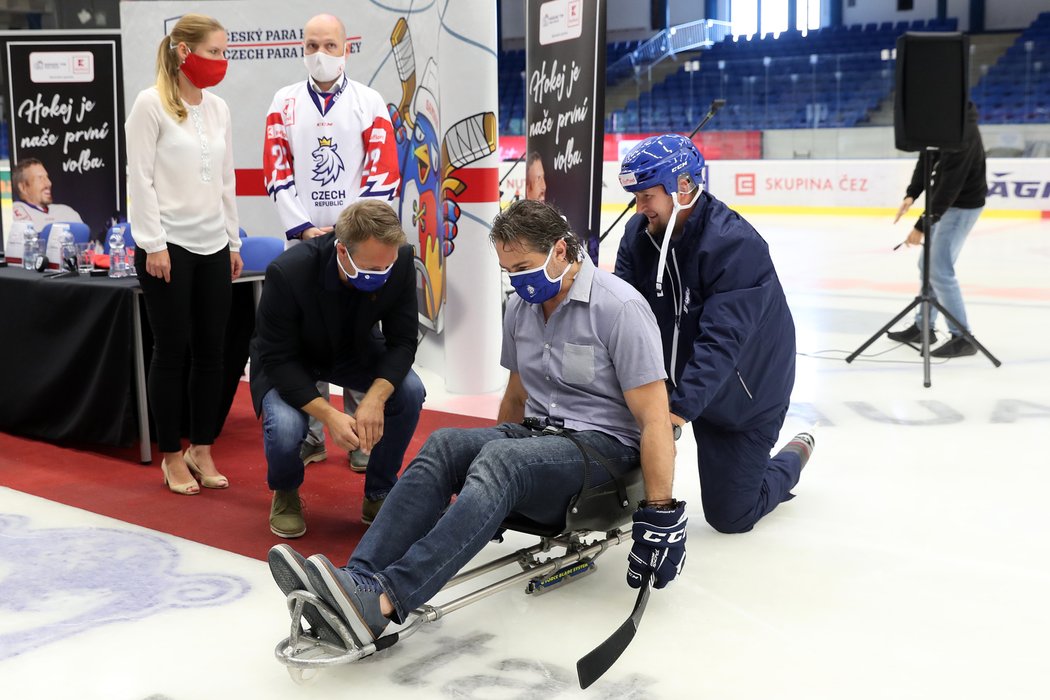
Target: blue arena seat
column 258, row 251
column 770, row 100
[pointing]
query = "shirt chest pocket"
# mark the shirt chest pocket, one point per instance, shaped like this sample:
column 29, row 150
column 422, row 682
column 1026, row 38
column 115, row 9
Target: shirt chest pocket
column 577, row 363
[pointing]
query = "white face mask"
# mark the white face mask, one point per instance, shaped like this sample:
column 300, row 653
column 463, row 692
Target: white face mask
column 324, row 68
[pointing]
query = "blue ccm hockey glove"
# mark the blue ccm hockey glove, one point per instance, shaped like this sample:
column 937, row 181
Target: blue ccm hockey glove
column 659, row 544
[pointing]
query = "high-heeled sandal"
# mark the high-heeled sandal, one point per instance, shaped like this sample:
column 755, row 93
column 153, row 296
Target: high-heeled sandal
column 188, row 488
column 209, row 482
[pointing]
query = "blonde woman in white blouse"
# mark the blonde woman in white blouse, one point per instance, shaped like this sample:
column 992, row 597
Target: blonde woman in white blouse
column 184, row 221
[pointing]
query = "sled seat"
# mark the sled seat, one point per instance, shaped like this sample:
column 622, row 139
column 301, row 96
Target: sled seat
column 602, row 508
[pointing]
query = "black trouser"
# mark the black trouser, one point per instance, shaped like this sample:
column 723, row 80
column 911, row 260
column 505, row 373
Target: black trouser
column 191, row 309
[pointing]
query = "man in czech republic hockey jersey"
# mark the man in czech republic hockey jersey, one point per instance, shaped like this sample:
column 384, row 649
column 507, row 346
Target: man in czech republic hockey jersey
column 728, row 336
column 328, row 142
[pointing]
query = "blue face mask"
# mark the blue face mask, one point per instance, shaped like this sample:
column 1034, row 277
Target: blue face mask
column 535, row 286
column 364, row 280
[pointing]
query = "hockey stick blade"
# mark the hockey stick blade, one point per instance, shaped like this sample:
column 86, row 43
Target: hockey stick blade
column 600, row 659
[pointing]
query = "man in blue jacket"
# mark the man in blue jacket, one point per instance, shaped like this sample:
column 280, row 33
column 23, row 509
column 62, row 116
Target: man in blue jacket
column 728, row 336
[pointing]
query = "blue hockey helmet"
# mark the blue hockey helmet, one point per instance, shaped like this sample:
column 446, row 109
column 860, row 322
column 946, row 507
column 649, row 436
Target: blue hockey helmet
column 662, row 160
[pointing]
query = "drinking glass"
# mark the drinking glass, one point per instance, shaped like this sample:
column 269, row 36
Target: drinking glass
column 85, row 257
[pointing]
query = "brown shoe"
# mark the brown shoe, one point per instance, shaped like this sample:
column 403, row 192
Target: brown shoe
column 286, row 515
column 370, row 509
column 312, row 452
column 358, row 461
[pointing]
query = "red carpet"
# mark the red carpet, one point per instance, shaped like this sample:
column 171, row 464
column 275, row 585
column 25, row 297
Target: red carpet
column 111, row 482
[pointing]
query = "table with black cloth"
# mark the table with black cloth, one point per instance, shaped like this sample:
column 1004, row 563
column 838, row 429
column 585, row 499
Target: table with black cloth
column 74, row 352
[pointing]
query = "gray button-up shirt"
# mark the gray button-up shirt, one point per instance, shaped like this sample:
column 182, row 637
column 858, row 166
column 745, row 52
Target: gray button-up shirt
column 602, row 340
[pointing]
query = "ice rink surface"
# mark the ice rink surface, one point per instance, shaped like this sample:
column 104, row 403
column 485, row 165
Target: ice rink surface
column 914, row 562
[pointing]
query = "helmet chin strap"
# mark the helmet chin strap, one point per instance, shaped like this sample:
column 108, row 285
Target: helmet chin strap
column 661, row 265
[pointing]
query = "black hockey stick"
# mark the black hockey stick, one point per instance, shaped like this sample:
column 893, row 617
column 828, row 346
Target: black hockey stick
column 509, row 171
column 711, row 112
column 600, row 659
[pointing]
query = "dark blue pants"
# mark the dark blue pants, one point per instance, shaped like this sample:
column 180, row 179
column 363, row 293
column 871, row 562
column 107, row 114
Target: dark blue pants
column 739, row 481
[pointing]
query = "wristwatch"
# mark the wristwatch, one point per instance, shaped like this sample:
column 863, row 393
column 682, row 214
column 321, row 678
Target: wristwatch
column 677, row 431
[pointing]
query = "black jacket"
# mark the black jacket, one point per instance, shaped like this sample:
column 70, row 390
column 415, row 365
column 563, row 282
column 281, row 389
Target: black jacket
column 299, row 329
column 959, row 178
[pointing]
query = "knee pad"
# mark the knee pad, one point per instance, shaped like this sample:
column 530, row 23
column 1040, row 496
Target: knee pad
column 721, row 523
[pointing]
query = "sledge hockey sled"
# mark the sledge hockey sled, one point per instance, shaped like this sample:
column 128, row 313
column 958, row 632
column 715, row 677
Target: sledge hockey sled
column 596, row 519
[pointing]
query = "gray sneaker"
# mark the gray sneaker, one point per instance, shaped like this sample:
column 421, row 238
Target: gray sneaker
column 358, row 461
column 288, row 568
column 370, row 509
column 353, row 595
column 312, row 452
column 286, row 515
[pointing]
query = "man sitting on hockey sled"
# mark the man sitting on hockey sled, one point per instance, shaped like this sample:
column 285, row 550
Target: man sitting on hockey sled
column 584, row 355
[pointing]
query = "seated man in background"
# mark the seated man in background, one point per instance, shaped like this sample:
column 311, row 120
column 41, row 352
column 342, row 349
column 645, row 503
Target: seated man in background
column 535, row 180
column 33, row 201
column 317, row 321
column 583, row 352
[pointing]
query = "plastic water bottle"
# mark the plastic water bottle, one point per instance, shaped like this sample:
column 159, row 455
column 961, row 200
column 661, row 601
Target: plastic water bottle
column 118, row 255
column 30, row 247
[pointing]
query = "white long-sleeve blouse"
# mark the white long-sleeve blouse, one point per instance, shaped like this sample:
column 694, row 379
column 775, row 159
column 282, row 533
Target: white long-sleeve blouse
column 181, row 182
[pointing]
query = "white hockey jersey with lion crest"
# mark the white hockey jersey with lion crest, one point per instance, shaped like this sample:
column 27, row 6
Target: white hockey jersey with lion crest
column 324, row 151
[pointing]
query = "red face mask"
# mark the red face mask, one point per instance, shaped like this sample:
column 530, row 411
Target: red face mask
column 204, row 72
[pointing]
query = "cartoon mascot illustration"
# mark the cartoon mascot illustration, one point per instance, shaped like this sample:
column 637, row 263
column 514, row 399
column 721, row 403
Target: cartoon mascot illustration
column 428, row 168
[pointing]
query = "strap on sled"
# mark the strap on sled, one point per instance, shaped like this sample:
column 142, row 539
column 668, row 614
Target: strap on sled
column 600, row 508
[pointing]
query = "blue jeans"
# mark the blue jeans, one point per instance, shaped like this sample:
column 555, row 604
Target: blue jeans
column 285, row 427
column 418, row 541
column 949, row 234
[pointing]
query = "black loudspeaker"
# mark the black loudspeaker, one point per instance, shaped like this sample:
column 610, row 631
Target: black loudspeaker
column 929, row 109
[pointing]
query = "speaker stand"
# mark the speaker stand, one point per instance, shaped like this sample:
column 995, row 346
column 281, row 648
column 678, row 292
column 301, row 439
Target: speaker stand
column 926, row 299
